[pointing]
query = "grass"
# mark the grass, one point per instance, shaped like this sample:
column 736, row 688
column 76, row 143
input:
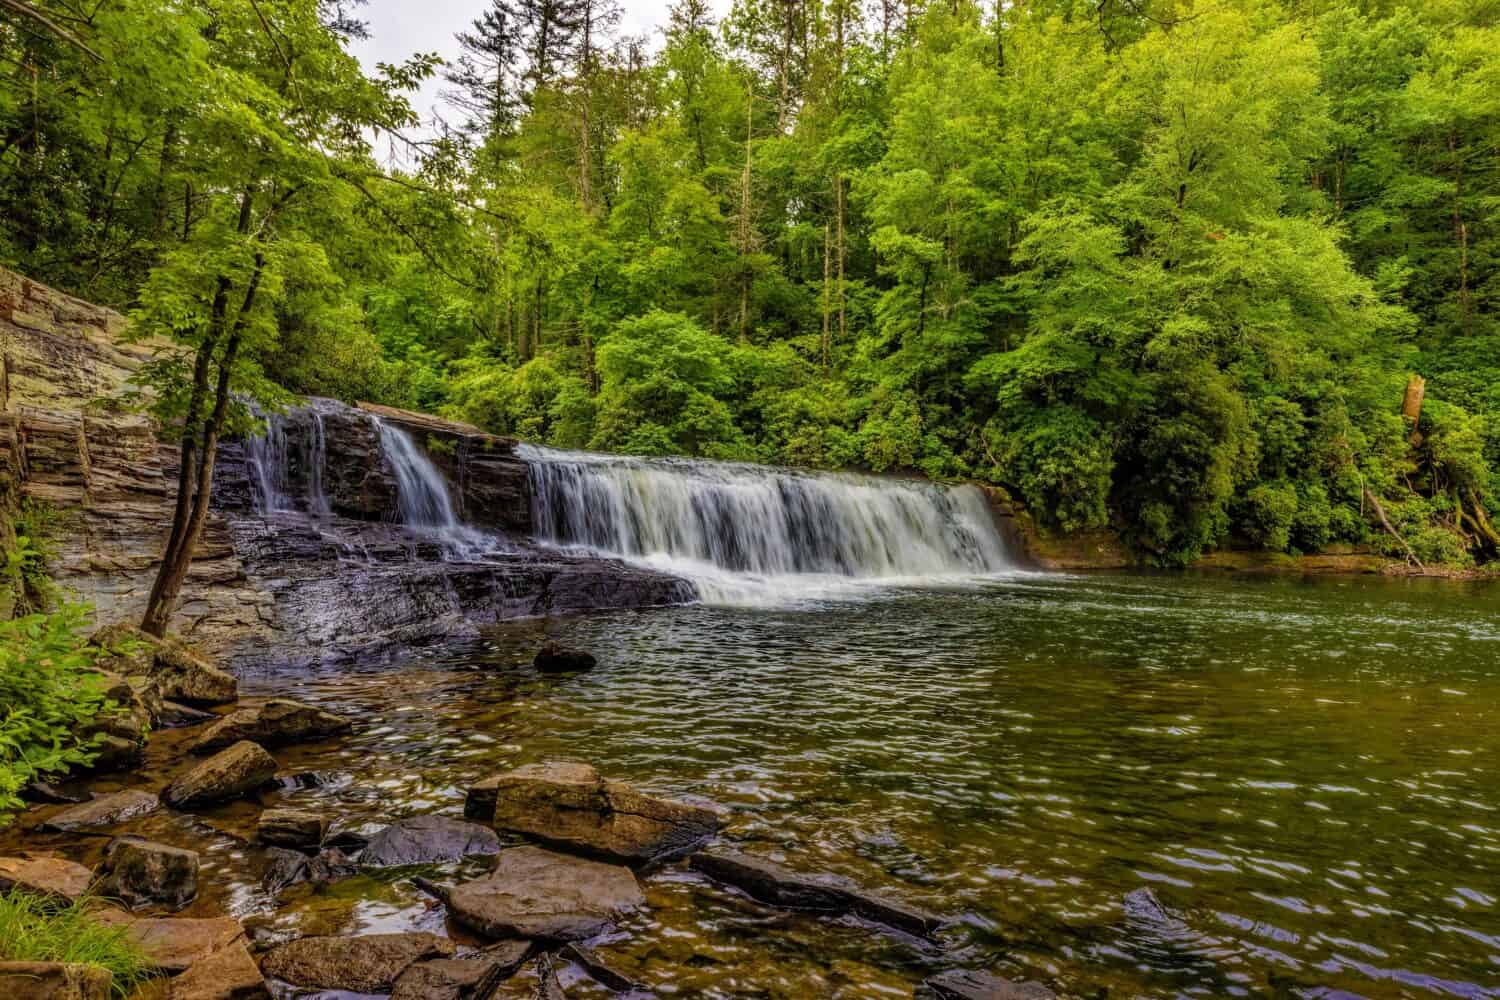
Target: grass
column 34, row 930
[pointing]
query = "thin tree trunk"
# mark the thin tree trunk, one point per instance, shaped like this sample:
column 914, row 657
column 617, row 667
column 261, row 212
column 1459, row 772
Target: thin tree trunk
column 827, row 277
column 838, row 191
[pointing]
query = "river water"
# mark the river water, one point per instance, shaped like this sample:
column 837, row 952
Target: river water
column 1304, row 774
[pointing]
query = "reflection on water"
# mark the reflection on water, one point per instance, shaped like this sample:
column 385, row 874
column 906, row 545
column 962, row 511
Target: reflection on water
column 1304, row 776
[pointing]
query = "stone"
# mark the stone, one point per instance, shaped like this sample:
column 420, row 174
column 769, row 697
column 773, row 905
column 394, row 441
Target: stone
column 229, row 774
column 174, row 715
column 570, row 805
column 330, row 865
column 599, row 970
column 554, row 659
column 535, row 893
column 227, row 974
column 54, row 981
column 769, row 882
column 176, row 671
column 174, row 944
column 369, row 963
column 882, row 909
column 479, row 803
column 963, row 984
column 105, row 810
column 54, row 794
column 291, row 828
column 473, row 976
column 142, row 872
column 277, row 721
column 428, row 840
column 44, row 875
column 284, row 868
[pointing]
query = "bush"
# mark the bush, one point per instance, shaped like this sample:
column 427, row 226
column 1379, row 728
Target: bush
column 33, row 930
column 1270, row 509
column 49, row 695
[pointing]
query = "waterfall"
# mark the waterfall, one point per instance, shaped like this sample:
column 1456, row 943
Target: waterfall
column 317, row 459
column 422, row 499
column 270, row 457
column 267, row 457
column 747, row 533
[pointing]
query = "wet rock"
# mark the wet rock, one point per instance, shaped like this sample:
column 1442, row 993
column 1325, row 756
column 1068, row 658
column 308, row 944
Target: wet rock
column 106, row 810
column 177, row 672
column 173, row 944
column 370, row 963
column 291, row 828
column 555, row 659
column 120, row 734
column 882, row 909
column 53, row 981
column 533, row 893
column 474, row 976
column 770, row 882
column 428, row 840
column 44, row 875
column 142, row 872
column 276, row 722
column 330, row 865
column 177, row 716
column 54, row 794
column 284, row 868
column 599, row 970
column 571, row 805
column 227, row 974
column 962, row 984
column 229, row 774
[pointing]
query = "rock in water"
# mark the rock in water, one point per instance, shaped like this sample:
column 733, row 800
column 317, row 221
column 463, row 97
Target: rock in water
column 770, row 882
column 106, row 810
column 291, row 828
column 962, row 984
column 44, row 875
column 175, row 670
column 228, row 774
column 54, row 981
column 370, row 963
column 276, row 722
column 533, row 893
column 555, row 659
column 571, row 805
column 424, row 840
column 173, row 944
column 227, row 974
column 141, row 872
column 474, row 976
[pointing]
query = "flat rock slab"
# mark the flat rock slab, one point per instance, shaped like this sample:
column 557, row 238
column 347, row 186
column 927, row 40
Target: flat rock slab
column 461, row 978
column 534, row 893
column 599, row 970
column 570, row 805
column 174, row 944
column 275, row 722
column 227, row 974
column 105, row 810
column 428, row 840
column 291, row 828
column 963, row 984
column 142, row 872
column 370, row 963
column 44, row 875
column 53, row 981
column 229, row 774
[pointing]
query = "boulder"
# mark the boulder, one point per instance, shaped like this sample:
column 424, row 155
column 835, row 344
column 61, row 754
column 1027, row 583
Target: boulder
column 474, row 976
column 176, row 671
column 330, row 865
column 44, row 875
column 534, row 893
column 120, row 734
column 428, row 840
column 141, row 872
column 963, row 984
column 105, row 810
column 227, row 974
column 174, row 715
column 291, row 828
column 284, row 868
column 229, row 774
column 174, row 944
column 569, row 804
column 599, row 970
column 278, row 721
column 54, row 981
column 370, row 963
column 555, row 659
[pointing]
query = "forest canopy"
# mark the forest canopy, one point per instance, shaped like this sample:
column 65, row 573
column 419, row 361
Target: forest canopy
column 1164, row 266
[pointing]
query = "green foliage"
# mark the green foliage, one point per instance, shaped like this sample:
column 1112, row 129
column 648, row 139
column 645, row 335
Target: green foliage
column 49, row 694
column 36, row 930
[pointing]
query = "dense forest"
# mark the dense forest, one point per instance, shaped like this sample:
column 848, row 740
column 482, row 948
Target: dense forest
column 1159, row 265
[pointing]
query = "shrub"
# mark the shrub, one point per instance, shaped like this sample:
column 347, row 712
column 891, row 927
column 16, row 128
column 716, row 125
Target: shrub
column 1270, row 509
column 33, row 930
column 50, row 693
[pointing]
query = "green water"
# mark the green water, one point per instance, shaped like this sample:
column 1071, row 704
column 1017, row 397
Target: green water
column 1304, row 774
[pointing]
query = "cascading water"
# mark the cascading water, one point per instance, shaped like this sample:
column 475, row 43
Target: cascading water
column 422, row 500
column 269, row 458
column 752, row 534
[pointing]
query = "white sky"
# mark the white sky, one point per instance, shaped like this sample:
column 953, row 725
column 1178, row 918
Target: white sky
column 400, row 28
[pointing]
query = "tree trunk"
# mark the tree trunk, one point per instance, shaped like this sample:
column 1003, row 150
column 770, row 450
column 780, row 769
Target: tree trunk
column 1411, row 407
column 827, row 276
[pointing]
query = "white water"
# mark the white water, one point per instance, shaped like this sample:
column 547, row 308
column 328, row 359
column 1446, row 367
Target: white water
column 422, row 499
column 748, row 534
column 269, row 457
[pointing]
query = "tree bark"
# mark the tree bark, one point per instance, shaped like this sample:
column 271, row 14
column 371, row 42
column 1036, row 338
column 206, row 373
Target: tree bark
column 1411, row 407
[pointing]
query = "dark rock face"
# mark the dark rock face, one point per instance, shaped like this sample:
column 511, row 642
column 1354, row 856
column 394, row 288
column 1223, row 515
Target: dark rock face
column 555, row 659
column 276, row 722
column 228, row 774
column 961, row 984
column 570, row 804
column 141, row 872
column 54, row 981
column 532, row 893
column 106, row 810
column 370, row 963
column 428, row 840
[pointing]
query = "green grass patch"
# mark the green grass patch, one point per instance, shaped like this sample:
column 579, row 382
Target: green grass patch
column 34, row 930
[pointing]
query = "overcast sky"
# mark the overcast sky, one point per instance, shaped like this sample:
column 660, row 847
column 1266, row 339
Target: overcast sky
column 399, row 28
